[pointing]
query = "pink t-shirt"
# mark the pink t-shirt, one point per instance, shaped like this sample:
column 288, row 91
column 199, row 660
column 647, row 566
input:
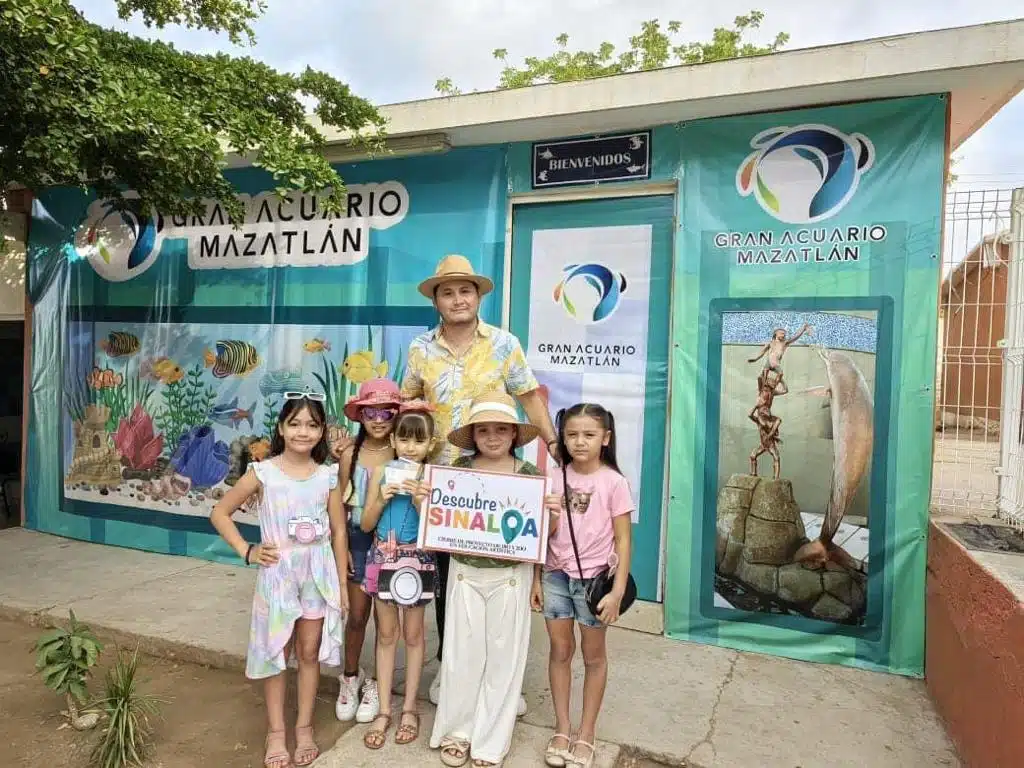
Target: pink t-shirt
column 595, row 499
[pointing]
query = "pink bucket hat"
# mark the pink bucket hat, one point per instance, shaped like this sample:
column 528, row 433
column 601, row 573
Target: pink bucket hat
column 375, row 392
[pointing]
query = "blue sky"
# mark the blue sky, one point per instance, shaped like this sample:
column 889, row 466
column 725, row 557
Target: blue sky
column 394, row 50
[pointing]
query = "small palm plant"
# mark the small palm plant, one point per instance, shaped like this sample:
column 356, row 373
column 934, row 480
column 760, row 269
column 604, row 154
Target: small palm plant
column 65, row 657
column 126, row 739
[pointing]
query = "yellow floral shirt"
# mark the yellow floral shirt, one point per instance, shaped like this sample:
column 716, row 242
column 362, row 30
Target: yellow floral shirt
column 494, row 360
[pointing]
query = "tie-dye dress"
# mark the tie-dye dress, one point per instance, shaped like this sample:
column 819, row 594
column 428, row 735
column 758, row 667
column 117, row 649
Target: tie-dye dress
column 304, row 581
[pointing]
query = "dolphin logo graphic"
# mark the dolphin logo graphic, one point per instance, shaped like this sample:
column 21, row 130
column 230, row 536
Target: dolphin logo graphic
column 608, row 285
column 814, row 171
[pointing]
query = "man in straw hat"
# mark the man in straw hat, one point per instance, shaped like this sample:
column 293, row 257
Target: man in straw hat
column 459, row 359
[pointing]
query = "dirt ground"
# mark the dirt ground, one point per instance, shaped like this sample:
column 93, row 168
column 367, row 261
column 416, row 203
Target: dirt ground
column 210, row 717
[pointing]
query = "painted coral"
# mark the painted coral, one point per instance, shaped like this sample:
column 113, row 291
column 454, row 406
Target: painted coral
column 134, row 438
column 201, row 457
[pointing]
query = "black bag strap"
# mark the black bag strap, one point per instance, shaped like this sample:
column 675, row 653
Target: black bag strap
column 568, row 515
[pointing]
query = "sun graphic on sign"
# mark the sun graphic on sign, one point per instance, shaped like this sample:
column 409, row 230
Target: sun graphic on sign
column 513, row 518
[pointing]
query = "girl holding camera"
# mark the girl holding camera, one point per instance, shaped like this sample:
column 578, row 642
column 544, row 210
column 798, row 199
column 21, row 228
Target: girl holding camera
column 398, row 575
column 301, row 595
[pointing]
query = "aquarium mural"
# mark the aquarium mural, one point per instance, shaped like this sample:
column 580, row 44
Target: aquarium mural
column 166, row 417
column 162, row 345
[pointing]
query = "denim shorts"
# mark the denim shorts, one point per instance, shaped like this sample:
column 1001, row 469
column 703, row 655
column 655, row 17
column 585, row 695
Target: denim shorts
column 359, row 543
column 566, row 598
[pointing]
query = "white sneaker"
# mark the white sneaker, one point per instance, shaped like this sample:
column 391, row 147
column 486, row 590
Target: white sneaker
column 521, row 708
column 348, row 696
column 435, row 689
column 369, row 705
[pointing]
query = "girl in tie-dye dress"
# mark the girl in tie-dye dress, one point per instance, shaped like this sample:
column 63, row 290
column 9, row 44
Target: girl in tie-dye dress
column 301, row 596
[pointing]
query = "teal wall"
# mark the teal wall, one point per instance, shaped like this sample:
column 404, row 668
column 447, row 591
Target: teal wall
column 458, row 203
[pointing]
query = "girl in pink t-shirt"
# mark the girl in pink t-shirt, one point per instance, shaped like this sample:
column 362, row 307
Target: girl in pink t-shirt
column 600, row 505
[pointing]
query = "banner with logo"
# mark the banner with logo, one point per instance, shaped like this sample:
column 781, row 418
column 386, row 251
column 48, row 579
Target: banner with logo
column 590, row 302
column 805, row 318
column 163, row 346
column 588, row 323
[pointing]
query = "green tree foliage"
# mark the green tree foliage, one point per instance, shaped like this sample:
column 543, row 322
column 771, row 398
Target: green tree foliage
column 87, row 106
column 653, row 48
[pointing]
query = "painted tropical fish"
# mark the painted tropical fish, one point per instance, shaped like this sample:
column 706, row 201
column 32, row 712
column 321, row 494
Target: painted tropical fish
column 161, row 369
column 105, row 379
column 233, row 358
column 359, row 367
column 280, row 381
column 317, row 345
column 229, row 414
column 120, row 344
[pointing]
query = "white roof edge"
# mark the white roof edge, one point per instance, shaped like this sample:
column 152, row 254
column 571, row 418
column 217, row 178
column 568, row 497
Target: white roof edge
column 982, row 66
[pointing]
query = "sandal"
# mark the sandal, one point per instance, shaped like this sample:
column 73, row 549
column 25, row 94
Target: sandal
column 375, row 738
column 554, row 756
column 484, row 764
column 578, row 762
column 407, row 734
column 305, row 745
column 277, row 751
column 454, row 752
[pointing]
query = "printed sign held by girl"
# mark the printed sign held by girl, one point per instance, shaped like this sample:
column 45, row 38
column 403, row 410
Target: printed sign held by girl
column 488, row 614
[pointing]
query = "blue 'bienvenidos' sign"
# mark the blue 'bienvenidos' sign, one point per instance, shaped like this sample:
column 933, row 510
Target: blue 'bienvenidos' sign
column 585, row 161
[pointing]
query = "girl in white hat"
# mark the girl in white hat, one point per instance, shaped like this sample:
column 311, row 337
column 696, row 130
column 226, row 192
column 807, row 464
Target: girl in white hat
column 487, row 626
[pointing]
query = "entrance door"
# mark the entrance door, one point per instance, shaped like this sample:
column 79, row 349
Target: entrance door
column 591, row 289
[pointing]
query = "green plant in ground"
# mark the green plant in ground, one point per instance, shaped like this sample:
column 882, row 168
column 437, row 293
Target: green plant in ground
column 127, row 738
column 65, row 657
column 187, row 404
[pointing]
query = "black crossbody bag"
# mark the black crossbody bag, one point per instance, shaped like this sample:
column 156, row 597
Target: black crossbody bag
column 603, row 582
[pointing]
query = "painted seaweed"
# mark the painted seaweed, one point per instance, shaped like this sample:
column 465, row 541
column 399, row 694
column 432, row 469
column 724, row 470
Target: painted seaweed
column 270, row 411
column 187, row 405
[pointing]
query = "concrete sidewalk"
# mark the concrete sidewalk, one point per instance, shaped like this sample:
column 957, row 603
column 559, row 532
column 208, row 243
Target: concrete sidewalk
column 681, row 703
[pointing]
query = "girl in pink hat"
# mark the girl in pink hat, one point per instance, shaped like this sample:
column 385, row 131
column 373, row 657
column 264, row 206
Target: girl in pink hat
column 374, row 408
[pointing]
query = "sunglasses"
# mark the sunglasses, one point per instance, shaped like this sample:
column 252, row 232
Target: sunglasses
column 369, row 413
column 317, row 397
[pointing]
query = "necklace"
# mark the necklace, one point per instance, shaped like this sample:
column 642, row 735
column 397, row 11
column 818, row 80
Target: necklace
column 378, row 449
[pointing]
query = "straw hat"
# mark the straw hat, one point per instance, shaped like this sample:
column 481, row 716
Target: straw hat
column 416, row 406
column 494, row 407
column 454, row 267
column 375, row 392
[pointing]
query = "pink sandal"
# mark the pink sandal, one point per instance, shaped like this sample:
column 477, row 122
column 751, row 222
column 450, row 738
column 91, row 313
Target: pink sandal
column 276, row 756
column 305, row 745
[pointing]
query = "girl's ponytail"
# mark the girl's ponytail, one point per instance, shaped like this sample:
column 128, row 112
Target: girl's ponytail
column 608, row 451
column 360, row 439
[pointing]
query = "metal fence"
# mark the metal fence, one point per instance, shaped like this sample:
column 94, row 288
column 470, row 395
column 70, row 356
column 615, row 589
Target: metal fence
column 978, row 388
column 1011, row 463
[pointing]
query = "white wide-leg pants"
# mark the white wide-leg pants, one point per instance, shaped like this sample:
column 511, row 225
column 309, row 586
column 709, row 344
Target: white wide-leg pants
column 486, row 640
